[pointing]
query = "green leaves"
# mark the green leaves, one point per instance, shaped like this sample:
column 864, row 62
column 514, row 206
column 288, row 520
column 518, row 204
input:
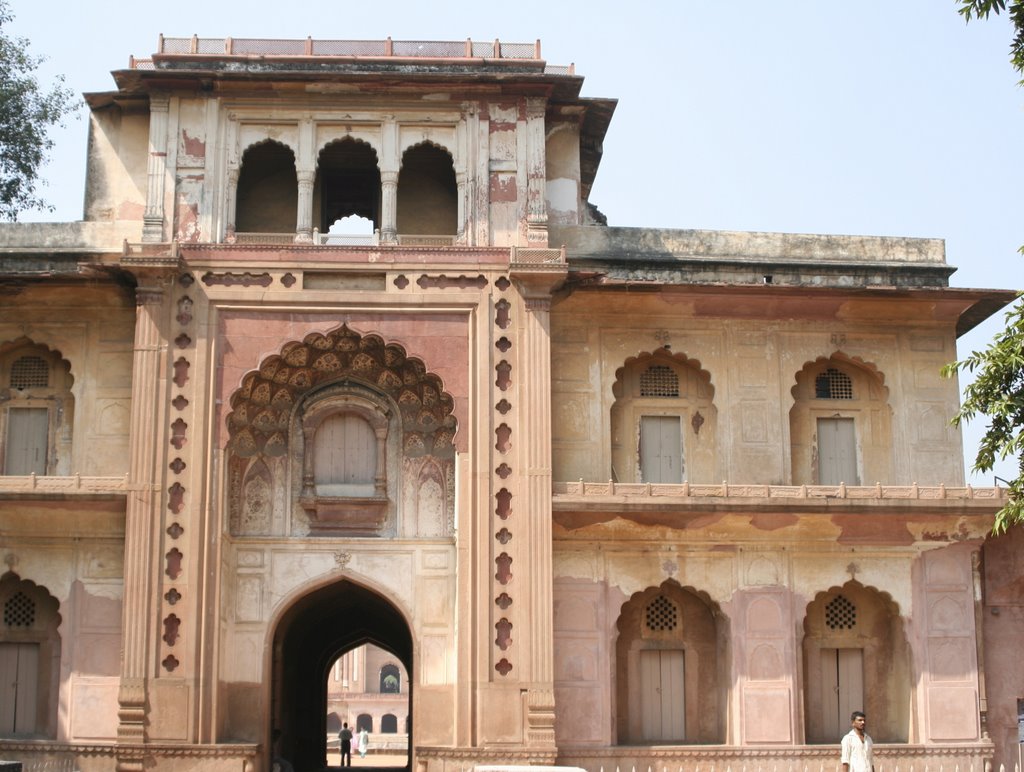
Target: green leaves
column 981, row 9
column 27, row 112
column 998, row 393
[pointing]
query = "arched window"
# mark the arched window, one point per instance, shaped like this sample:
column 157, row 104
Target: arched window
column 671, row 668
column 663, row 421
column 267, row 197
column 390, row 680
column 345, row 456
column 856, row 657
column 347, row 183
column 36, row 412
column 364, row 721
column 389, row 724
column 427, row 193
column 839, row 425
column 29, row 659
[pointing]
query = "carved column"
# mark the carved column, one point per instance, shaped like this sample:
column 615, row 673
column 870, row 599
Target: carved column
column 388, row 207
column 304, row 216
column 390, row 163
column 536, row 173
column 143, row 515
column 156, row 172
column 231, row 204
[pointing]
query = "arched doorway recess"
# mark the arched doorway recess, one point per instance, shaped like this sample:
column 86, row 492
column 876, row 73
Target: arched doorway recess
column 310, row 636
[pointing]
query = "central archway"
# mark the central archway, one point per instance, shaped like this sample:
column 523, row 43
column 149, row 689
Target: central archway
column 311, row 635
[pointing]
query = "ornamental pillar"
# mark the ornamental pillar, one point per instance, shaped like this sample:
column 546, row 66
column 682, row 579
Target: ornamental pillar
column 536, row 173
column 304, row 216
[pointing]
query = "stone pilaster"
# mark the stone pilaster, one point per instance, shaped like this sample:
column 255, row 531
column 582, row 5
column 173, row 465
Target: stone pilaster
column 535, row 420
column 536, row 173
column 142, row 517
column 230, row 204
column 156, row 171
column 390, row 163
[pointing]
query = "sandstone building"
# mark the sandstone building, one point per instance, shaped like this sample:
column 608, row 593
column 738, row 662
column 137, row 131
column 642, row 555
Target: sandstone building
column 611, row 496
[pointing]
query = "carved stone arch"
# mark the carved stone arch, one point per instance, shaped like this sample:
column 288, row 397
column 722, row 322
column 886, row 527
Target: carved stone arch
column 37, row 402
column 341, row 370
column 29, row 632
column 856, row 631
column 348, row 136
column 667, row 394
column 257, row 143
column 267, row 193
column 427, row 190
column 682, row 631
column 840, row 423
column 348, row 182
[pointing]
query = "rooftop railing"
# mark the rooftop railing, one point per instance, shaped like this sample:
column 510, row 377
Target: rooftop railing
column 363, row 49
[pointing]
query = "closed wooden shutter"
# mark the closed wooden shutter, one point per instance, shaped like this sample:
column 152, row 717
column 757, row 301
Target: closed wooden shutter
column 661, row 449
column 662, row 695
column 346, row 456
column 19, row 676
column 26, row 441
column 842, row 689
column 837, row 452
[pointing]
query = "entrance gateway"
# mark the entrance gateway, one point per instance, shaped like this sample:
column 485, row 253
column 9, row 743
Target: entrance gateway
column 309, row 638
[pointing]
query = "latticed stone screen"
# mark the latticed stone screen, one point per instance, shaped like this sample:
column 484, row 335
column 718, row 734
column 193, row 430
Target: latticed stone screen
column 840, row 614
column 659, row 381
column 833, row 384
column 661, row 615
column 30, row 372
column 19, row 611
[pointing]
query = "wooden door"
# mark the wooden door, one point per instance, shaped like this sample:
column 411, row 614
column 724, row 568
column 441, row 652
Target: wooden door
column 25, row 448
column 842, row 689
column 662, row 700
column 661, row 449
column 19, row 676
column 837, row 452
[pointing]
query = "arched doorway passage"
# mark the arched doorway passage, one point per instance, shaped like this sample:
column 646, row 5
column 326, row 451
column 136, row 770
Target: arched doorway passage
column 310, row 637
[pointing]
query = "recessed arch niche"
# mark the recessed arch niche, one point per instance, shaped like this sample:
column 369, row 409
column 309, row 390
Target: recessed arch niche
column 427, row 192
column 278, row 408
column 268, row 191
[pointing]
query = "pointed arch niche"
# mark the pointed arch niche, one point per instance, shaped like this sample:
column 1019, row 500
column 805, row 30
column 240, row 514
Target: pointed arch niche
column 663, row 420
column 856, row 657
column 268, row 190
column 341, row 433
column 29, row 658
column 427, row 192
column 347, row 183
column 37, row 410
column 840, row 425
column 671, row 672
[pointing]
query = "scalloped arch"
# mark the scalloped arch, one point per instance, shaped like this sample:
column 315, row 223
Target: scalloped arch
column 669, row 584
column 263, row 405
column 426, row 143
column 266, row 141
column 885, row 598
column 12, row 579
column 28, row 343
column 661, row 354
column 349, row 138
column 838, row 356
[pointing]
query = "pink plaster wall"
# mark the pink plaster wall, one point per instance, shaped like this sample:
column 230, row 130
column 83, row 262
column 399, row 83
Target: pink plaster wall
column 1003, row 631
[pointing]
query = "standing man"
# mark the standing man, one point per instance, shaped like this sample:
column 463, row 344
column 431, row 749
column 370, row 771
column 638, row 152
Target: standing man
column 345, row 735
column 857, row 749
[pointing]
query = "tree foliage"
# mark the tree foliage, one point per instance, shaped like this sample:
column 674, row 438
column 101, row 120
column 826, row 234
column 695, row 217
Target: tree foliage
column 982, row 9
column 28, row 111
column 998, row 393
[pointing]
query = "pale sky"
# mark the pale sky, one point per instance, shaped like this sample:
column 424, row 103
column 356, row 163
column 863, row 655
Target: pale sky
column 872, row 117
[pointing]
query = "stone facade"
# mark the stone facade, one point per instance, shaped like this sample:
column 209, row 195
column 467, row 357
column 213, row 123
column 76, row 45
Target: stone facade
column 610, row 496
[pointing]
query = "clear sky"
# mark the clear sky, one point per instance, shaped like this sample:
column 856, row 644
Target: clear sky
column 872, row 117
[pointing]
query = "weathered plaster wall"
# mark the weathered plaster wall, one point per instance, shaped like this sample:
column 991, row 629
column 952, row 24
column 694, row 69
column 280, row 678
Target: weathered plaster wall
column 117, row 163
column 753, row 368
column 92, row 326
